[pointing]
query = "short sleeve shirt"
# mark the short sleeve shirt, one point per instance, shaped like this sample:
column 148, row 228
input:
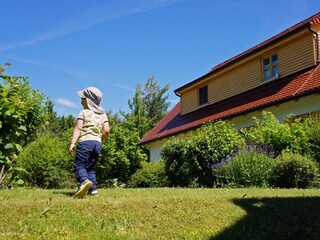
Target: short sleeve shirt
column 92, row 125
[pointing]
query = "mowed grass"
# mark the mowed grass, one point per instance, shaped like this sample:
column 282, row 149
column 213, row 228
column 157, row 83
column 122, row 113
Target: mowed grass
column 164, row 213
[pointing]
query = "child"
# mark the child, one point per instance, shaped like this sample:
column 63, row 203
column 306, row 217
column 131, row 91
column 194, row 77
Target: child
column 91, row 129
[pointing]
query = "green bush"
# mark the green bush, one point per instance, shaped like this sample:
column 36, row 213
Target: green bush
column 178, row 163
column 189, row 160
column 47, row 163
column 279, row 136
column 120, row 157
column 249, row 168
column 212, row 143
column 22, row 111
column 314, row 140
column 293, row 170
column 150, row 175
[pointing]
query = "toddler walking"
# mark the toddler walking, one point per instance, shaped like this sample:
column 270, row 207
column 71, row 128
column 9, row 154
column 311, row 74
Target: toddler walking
column 91, row 129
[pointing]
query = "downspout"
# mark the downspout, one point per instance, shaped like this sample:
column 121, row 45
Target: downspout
column 318, row 60
column 317, row 39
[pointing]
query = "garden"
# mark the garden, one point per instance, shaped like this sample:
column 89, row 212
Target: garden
column 260, row 182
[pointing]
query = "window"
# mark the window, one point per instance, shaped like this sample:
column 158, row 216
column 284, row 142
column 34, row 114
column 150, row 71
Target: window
column 270, row 67
column 203, row 95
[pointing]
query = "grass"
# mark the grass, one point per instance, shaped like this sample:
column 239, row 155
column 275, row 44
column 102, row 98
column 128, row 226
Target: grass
column 164, row 213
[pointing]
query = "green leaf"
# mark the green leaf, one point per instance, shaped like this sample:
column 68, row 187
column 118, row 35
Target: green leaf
column 9, row 112
column 19, row 147
column 23, row 128
column 8, row 146
column 19, row 182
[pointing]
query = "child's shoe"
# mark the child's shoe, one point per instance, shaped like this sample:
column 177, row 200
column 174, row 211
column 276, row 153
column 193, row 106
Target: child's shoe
column 93, row 193
column 83, row 189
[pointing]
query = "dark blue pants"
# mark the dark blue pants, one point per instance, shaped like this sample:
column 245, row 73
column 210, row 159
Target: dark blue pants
column 86, row 156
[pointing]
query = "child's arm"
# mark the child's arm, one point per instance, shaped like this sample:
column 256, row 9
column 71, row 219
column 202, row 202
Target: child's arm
column 76, row 133
column 105, row 131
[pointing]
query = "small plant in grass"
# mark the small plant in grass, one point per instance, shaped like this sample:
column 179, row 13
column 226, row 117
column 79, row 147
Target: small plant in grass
column 293, row 170
column 150, row 175
column 250, row 167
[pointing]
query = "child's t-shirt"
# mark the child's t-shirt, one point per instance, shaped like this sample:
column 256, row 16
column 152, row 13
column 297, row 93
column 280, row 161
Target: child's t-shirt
column 92, row 125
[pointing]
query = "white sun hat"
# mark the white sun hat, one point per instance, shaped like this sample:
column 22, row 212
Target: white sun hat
column 93, row 96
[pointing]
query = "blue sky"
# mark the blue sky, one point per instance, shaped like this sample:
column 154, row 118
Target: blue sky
column 66, row 46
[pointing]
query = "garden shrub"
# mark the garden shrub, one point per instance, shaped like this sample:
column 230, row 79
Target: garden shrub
column 314, row 140
column 293, row 170
column 120, row 157
column 47, row 163
column 212, row 143
column 189, row 161
column 179, row 166
column 151, row 174
column 290, row 135
column 249, row 168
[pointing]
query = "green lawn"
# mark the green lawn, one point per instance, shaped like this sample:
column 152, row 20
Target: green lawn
column 164, row 213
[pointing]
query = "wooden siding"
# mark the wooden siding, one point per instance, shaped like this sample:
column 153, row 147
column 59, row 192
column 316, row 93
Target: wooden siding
column 235, row 81
column 294, row 54
column 190, row 101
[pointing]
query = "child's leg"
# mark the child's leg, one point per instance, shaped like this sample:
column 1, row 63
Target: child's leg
column 81, row 163
column 92, row 161
column 92, row 178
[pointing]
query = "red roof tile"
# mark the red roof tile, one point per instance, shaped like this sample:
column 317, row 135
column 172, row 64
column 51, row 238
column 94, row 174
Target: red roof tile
column 281, row 90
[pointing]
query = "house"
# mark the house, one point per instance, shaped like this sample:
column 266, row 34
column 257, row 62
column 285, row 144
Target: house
column 281, row 75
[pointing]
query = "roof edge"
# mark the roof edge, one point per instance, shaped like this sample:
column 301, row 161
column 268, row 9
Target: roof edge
column 283, row 34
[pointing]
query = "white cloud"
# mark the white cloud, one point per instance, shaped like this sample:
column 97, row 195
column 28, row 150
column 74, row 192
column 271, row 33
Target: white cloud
column 66, row 102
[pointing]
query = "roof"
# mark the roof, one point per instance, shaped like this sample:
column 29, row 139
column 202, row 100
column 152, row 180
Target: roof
column 281, row 90
column 297, row 85
column 303, row 24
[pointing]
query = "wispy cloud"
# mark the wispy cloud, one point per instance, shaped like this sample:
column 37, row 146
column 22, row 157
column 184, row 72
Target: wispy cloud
column 68, row 70
column 66, row 102
column 93, row 16
column 124, row 87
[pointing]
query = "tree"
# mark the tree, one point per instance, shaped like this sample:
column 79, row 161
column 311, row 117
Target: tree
column 148, row 107
column 22, row 111
column 56, row 125
column 137, row 119
column 155, row 101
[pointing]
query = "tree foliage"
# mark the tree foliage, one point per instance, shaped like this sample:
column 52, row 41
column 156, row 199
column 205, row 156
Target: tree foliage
column 22, row 111
column 148, row 106
column 155, row 101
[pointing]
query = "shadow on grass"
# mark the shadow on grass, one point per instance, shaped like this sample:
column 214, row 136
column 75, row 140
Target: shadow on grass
column 67, row 193
column 276, row 218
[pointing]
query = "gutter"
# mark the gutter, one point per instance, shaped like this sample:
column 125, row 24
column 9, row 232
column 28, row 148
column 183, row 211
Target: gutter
column 317, row 39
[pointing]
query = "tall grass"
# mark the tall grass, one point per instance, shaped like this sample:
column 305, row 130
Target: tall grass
column 164, row 213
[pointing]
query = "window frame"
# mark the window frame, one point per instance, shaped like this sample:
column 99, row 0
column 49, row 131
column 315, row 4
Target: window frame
column 270, row 67
column 203, row 98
